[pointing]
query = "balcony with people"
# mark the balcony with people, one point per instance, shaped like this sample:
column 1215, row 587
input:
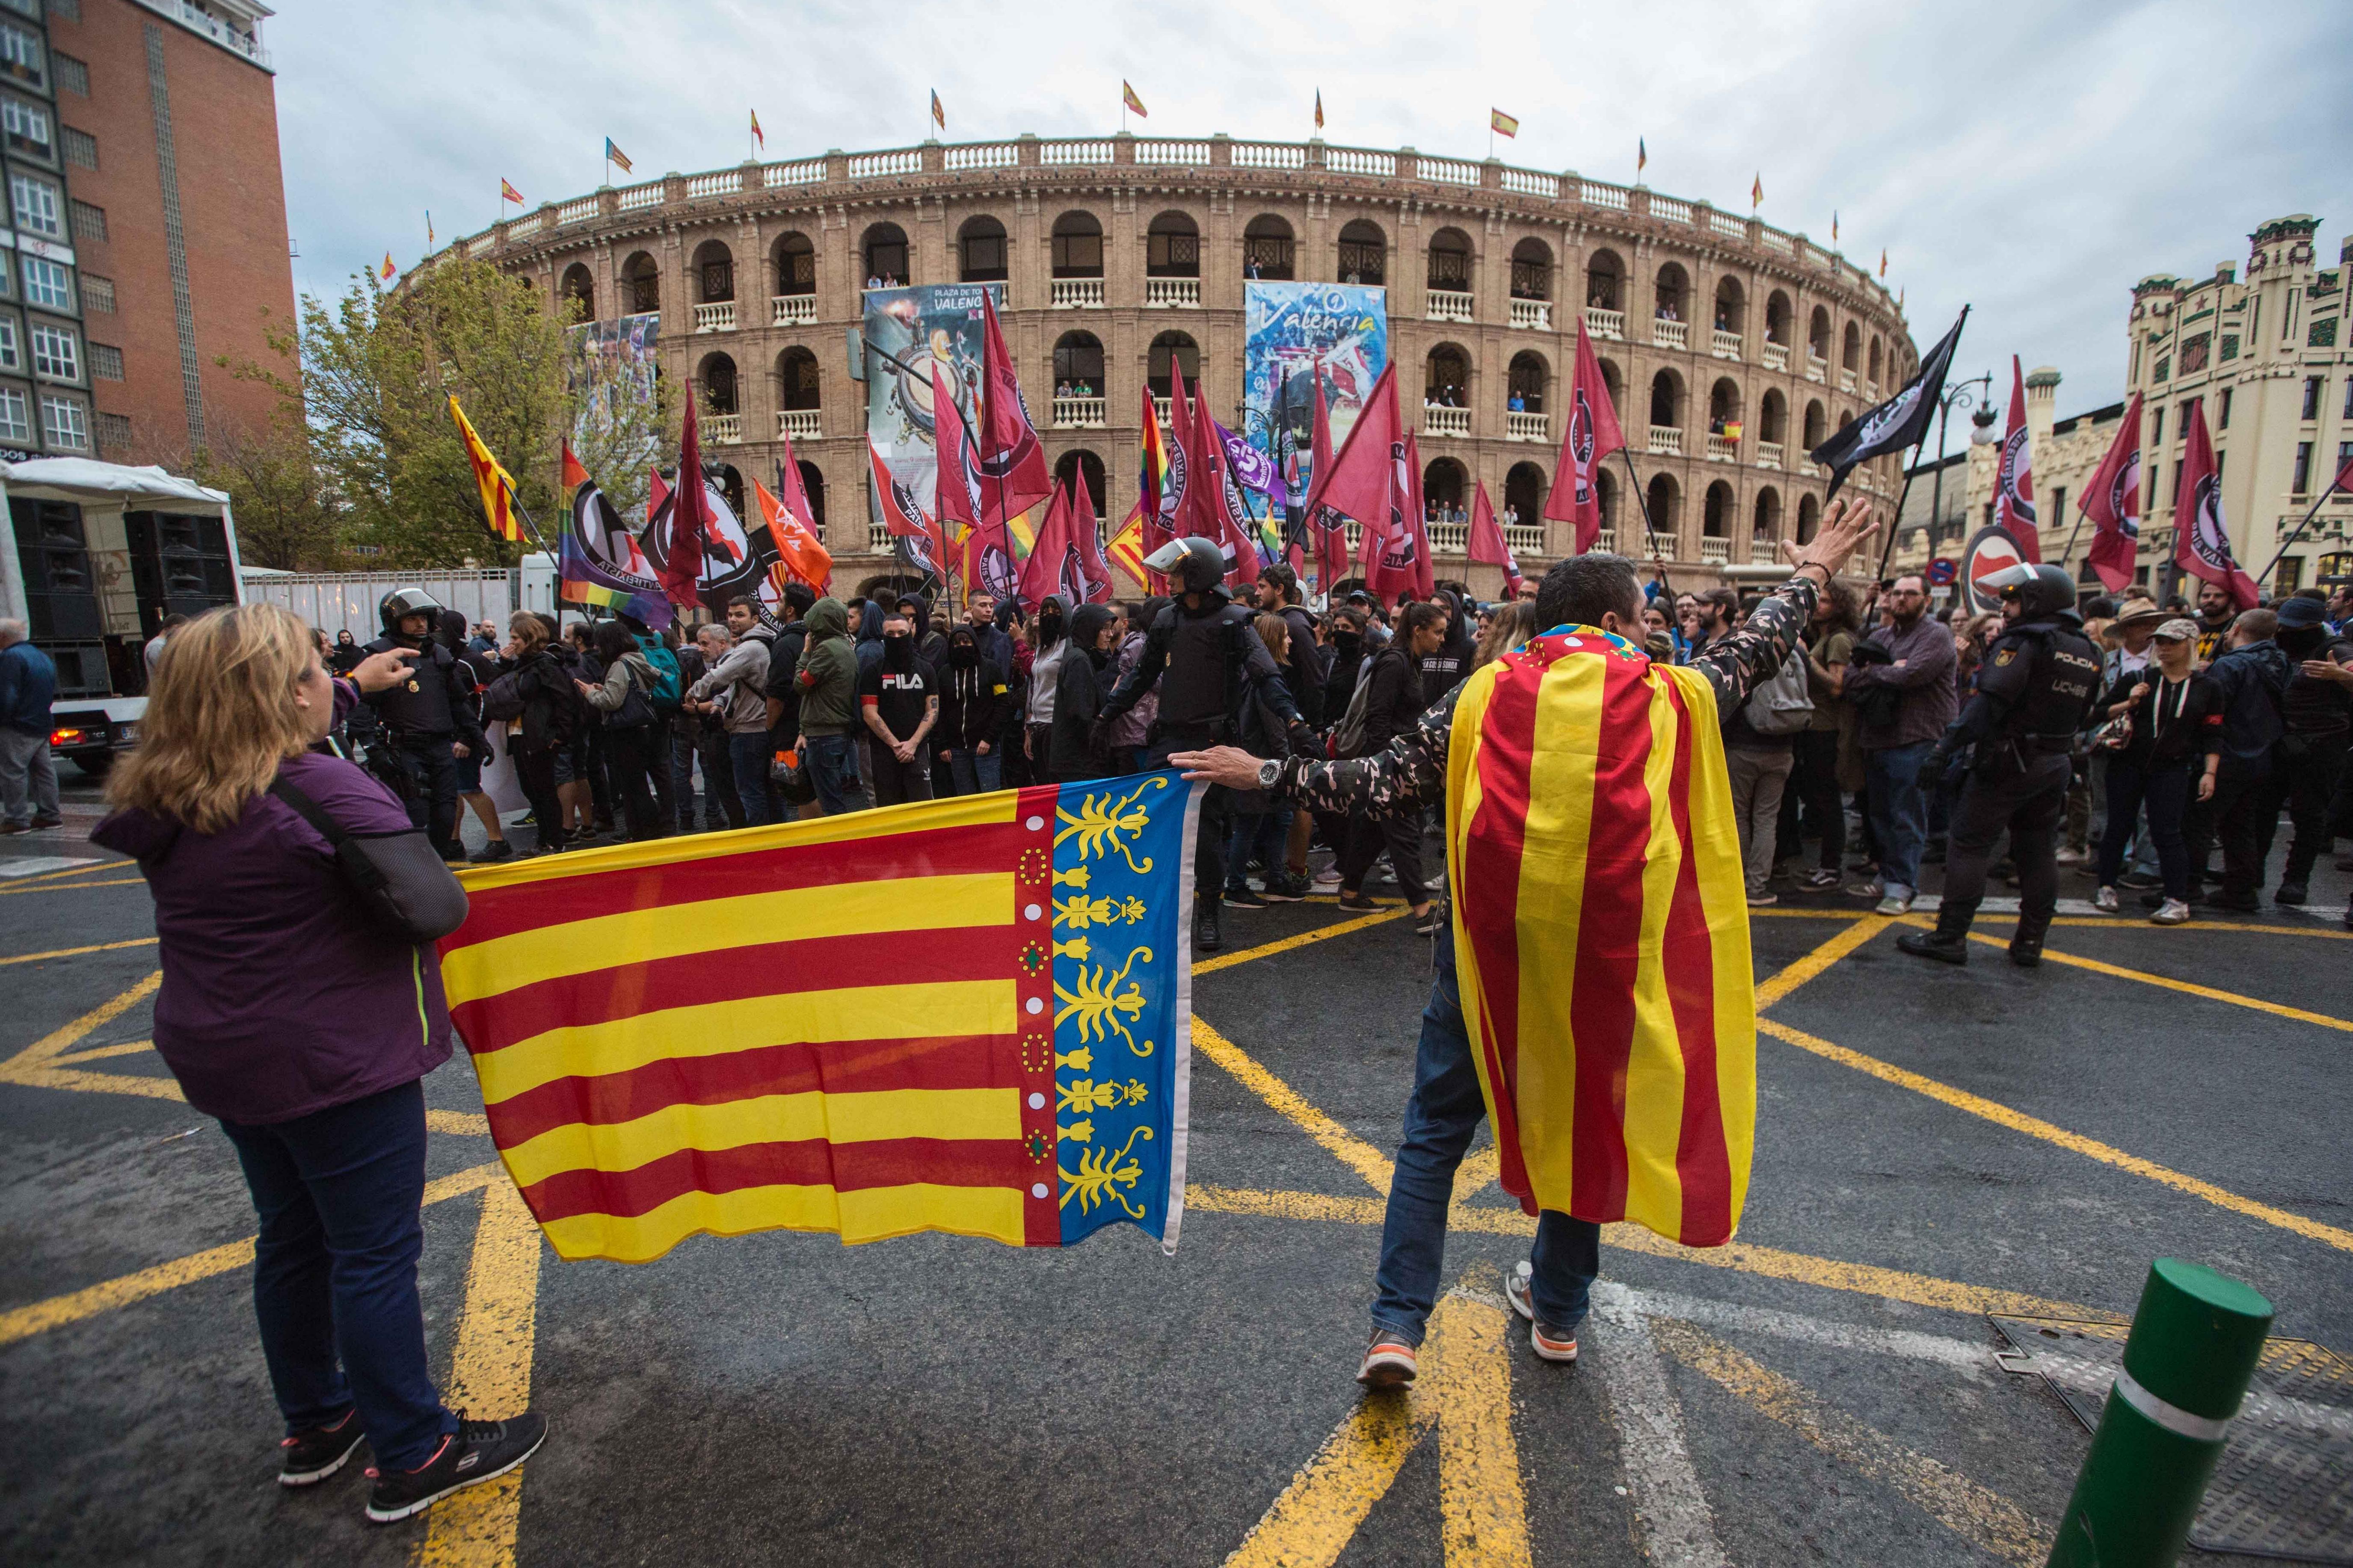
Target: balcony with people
column 714, row 287
column 641, row 284
column 1666, row 437
column 1172, row 263
column 1445, row 397
column 798, row 404
column 722, row 421
column 794, row 304
column 1524, row 412
column 1449, row 296
column 1532, row 285
column 1269, row 249
column 1776, row 352
column 1364, row 253
column 884, row 249
column 1817, row 345
column 1605, row 295
column 1523, row 515
column 1446, row 506
column 1671, row 295
column 1730, row 321
column 1076, row 257
column 1724, row 422
column 1079, row 401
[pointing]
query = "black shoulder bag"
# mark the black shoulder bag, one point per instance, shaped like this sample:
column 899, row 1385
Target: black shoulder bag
column 398, row 877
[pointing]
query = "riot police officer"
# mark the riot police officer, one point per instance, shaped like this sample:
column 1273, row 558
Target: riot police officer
column 1215, row 663
column 2038, row 681
column 428, row 719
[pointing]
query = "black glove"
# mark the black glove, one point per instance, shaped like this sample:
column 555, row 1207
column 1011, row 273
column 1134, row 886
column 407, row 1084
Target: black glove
column 1302, row 741
column 1099, row 734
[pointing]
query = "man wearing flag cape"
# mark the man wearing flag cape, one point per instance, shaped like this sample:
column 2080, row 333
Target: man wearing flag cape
column 1595, row 1000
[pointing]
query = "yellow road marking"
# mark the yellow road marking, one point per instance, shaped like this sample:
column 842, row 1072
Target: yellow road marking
column 490, row 1379
column 1353, row 1152
column 466, row 1123
column 1984, row 1518
column 2035, row 1127
column 1321, row 933
column 2090, row 922
column 38, row 1317
column 76, row 886
column 57, row 1042
column 1479, row 1167
column 2211, row 993
column 72, row 871
column 1796, row 974
column 1465, row 1392
column 76, row 952
column 128, row 1048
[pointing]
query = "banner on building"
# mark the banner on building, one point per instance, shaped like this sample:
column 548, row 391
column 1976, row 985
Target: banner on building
column 907, row 331
column 1289, row 328
column 609, row 381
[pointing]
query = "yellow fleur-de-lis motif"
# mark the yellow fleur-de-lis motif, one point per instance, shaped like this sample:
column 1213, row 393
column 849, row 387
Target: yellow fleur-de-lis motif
column 1074, row 948
column 1099, row 1176
column 1076, row 877
column 1098, row 1004
column 1082, row 1058
column 1086, row 1094
column 1133, row 911
column 1100, row 821
column 1135, row 1092
column 1077, row 1131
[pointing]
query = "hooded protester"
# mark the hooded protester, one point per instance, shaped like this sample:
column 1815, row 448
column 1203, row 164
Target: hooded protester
column 1130, row 730
column 1444, row 670
column 827, row 682
column 972, row 693
column 1086, row 665
column 625, row 699
column 900, row 700
column 1045, row 677
column 346, row 655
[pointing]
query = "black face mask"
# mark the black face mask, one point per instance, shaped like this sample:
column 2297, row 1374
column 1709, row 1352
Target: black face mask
column 1050, row 627
column 898, row 650
column 963, row 654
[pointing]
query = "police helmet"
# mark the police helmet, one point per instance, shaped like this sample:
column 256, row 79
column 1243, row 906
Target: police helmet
column 403, row 603
column 1196, row 564
column 2039, row 590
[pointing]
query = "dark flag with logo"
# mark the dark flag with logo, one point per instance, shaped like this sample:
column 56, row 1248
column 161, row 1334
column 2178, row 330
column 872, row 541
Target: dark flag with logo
column 917, row 535
column 2013, row 474
column 2112, row 500
column 1898, row 423
column 2202, row 545
column 1592, row 435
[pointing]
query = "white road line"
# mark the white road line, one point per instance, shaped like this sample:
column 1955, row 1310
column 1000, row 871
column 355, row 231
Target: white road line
column 1929, row 903
column 1678, row 1527
column 1977, row 1361
column 34, row 865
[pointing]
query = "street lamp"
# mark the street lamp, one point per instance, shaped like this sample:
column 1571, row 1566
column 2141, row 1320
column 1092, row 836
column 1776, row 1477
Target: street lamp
column 1959, row 395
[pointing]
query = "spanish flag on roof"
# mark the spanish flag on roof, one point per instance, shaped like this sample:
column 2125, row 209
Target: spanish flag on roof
column 509, row 192
column 1502, row 124
column 1127, row 96
column 389, row 268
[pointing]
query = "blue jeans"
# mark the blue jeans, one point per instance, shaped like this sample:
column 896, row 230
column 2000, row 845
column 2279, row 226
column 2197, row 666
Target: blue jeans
column 334, row 1269
column 749, row 753
column 1440, row 1119
column 1259, row 833
column 974, row 773
column 833, row 769
column 1899, row 811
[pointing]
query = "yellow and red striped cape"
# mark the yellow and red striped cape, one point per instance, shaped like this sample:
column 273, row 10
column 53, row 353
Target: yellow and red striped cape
column 1602, row 935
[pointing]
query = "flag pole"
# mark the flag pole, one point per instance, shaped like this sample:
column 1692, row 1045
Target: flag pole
column 2326, row 491
column 2076, row 533
column 1641, row 501
column 1896, row 524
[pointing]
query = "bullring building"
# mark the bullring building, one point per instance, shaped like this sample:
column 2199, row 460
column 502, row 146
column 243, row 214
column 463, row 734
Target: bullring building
column 1730, row 347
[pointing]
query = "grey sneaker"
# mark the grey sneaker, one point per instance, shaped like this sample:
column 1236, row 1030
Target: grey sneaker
column 1389, row 1362
column 1549, row 1344
column 2105, row 901
column 1870, row 889
column 2172, row 913
column 1894, row 904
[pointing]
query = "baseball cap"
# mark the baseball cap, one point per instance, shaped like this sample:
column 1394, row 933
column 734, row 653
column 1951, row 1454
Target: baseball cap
column 2178, row 630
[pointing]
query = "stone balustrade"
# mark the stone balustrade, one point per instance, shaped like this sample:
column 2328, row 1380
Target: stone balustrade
column 1535, row 314
column 792, row 310
column 1437, row 421
column 1173, row 293
column 800, row 424
column 1669, row 334
column 1078, row 413
column 1526, row 427
column 719, row 316
column 1449, row 305
column 1667, row 439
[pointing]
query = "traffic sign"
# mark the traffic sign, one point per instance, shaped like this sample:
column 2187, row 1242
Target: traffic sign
column 1942, row 571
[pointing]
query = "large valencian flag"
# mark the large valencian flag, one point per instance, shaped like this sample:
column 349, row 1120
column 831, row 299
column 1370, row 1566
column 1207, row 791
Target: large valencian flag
column 970, row 1016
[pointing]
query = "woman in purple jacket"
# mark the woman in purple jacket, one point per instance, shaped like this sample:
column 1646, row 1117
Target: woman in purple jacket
column 304, row 1025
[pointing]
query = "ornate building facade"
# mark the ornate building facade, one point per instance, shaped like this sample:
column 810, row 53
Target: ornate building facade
column 1731, row 348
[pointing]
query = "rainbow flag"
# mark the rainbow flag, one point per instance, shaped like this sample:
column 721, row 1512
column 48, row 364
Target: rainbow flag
column 969, row 1015
column 1602, row 934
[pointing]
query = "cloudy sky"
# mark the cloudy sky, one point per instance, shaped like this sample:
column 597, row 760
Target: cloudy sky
column 2032, row 159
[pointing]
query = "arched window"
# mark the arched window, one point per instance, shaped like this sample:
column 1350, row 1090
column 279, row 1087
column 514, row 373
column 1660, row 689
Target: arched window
column 717, row 375
column 714, row 272
column 1080, row 461
column 1671, row 298
column 1078, row 365
column 1614, row 380
column 1446, row 378
column 641, row 283
column 1772, row 417
column 1524, row 494
column 1666, row 401
column 1731, row 306
column 578, row 291
column 1532, row 270
column 1363, row 253
column 1723, row 407
column 1173, row 247
column 1766, row 522
column 1445, row 486
column 1604, row 275
column 1664, row 501
column 813, row 482
column 730, row 485
column 1528, row 376
column 1180, row 349
column 1777, row 318
column 1605, row 487
column 1817, row 336
column 796, row 379
column 1816, row 423
column 885, row 249
column 1267, row 248
column 1078, row 245
column 1715, row 520
column 980, row 245
column 1809, row 517
column 795, row 261
column 1850, row 355
column 1450, row 261
column 1873, row 374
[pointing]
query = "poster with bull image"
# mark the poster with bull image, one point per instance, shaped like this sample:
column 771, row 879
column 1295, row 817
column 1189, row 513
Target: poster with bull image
column 917, row 340
column 1289, row 328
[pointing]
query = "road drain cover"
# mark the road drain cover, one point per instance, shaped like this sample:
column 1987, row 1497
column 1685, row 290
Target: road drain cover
column 2284, row 1487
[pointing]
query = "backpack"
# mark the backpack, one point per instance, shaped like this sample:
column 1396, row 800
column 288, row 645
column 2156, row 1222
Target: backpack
column 1781, row 705
column 667, row 689
column 1349, row 735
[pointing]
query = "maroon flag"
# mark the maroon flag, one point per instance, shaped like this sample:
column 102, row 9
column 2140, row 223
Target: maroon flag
column 962, row 513
column 903, row 515
column 689, row 518
column 2014, row 479
column 1400, row 562
column 1326, row 527
column 1361, row 482
column 1221, row 501
column 1011, row 464
column 2201, row 538
column 1194, row 514
column 1488, row 544
column 1088, row 537
column 1587, row 441
column 1069, row 560
column 2112, row 500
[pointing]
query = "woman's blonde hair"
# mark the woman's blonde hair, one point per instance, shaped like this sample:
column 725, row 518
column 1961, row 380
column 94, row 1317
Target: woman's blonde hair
column 220, row 716
column 1513, row 623
column 1275, row 632
column 527, row 629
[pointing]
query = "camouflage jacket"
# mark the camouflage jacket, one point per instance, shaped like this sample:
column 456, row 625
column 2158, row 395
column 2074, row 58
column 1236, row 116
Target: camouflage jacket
column 1411, row 773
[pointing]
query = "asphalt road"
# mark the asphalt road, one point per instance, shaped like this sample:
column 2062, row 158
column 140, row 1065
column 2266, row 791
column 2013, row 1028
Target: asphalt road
column 1824, row 1391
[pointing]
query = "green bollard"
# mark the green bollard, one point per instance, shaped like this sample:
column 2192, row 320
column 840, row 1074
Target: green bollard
column 2195, row 1341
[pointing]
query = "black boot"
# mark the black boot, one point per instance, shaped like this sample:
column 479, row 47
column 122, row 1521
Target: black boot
column 1206, row 937
column 1946, row 947
column 2026, row 946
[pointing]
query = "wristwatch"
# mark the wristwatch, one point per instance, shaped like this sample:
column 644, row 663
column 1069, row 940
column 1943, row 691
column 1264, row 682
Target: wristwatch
column 1267, row 774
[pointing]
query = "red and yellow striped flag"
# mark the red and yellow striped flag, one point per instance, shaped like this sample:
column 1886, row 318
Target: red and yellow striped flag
column 968, row 1015
column 1126, row 550
column 496, row 484
column 1602, row 935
